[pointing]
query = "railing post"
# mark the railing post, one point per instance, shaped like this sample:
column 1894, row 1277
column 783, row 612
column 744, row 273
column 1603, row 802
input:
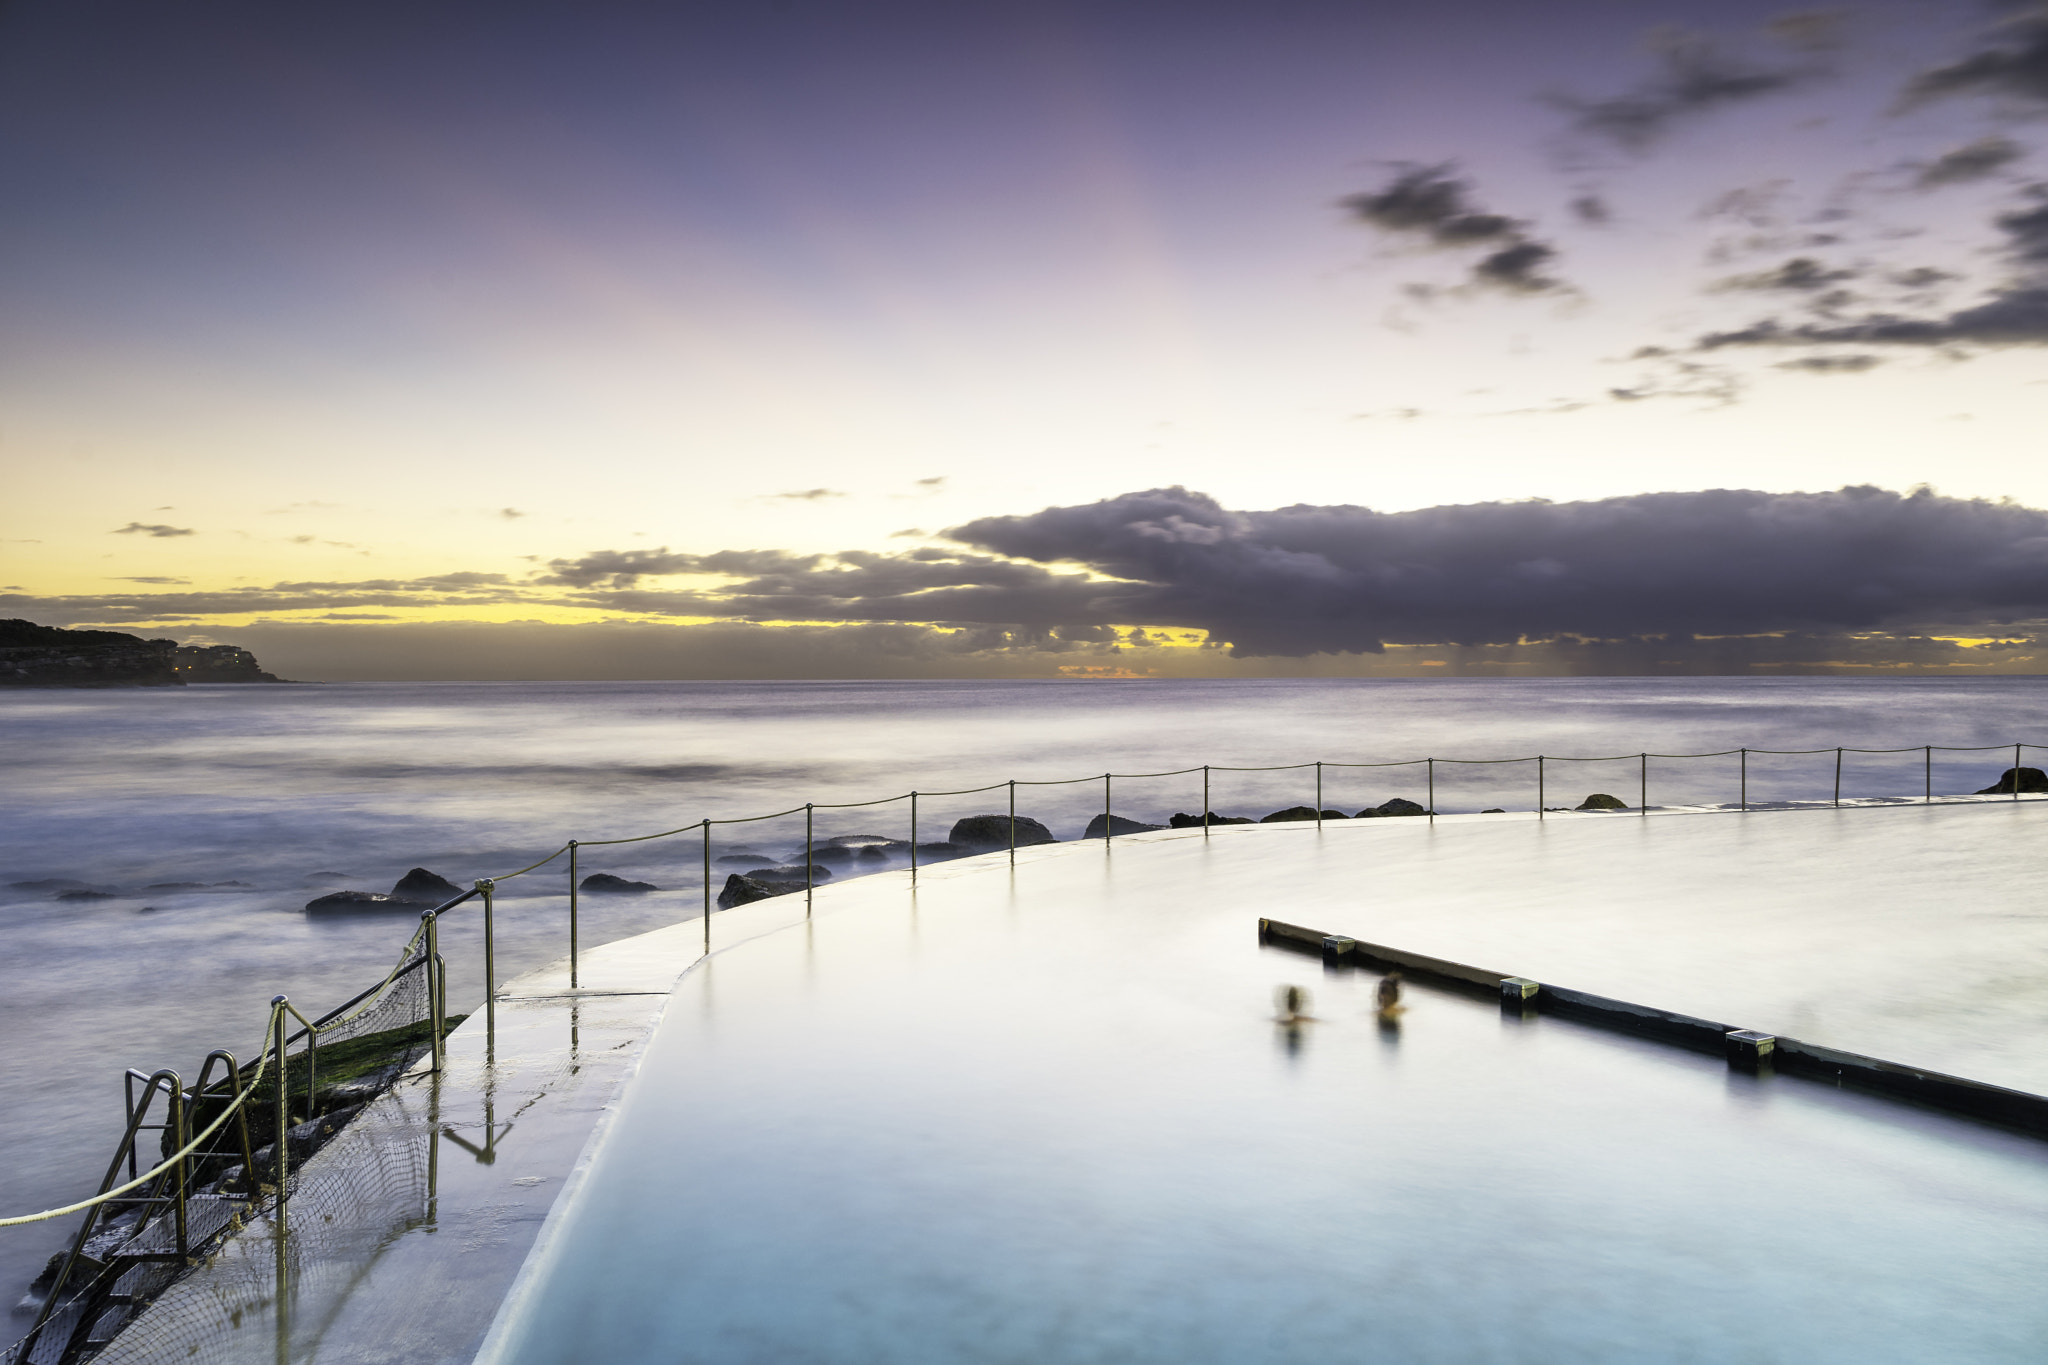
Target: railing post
column 1838, row 778
column 807, row 860
column 913, row 837
column 1927, row 774
column 572, row 914
column 1013, row 820
column 487, row 886
column 433, row 971
column 1319, row 793
column 2015, row 772
column 179, row 1137
column 707, row 886
column 1205, row 800
column 1105, row 808
column 1745, row 778
column 1643, row 794
column 1432, row 788
column 1539, row 786
column 281, row 1153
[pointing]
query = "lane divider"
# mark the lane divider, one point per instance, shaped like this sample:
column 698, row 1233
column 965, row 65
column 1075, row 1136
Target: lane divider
column 1744, row 1049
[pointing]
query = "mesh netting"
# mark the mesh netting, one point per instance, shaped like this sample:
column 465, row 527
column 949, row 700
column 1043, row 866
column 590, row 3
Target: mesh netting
column 130, row 1252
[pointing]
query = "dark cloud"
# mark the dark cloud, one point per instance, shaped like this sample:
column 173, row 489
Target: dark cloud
column 1693, row 77
column 1800, row 274
column 510, row 513
column 1435, row 205
column 625, row 568
column 809, row 494
column 1592, row 210
column 136, row 528
column 2012, row 65
column 1310, row 579
column 1972, row 161
column 2014, row 315
column 1832, row 364
column 152, row 580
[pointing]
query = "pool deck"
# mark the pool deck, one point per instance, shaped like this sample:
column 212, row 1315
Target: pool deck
column 1920, row 938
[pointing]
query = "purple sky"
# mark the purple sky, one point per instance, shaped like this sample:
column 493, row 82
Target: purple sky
column 356, row 320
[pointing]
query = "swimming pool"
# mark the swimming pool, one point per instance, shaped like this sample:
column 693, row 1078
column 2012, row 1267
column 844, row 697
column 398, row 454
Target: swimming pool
column 1047, row 1114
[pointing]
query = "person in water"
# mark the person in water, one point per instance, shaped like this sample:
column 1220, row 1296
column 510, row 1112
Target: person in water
column 1390, row 996
column 1293, row 1003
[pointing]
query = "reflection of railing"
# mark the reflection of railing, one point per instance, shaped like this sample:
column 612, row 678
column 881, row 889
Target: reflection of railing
column 415, row 991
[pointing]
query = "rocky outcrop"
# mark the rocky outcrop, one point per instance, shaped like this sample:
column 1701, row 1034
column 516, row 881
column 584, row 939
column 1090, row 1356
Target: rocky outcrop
column 1181, row 821
column 50, row 656
column 1116, row 824
column 792, row 873
column 2030, row 780
column 424, row 888
column 418, row 889
column 984, row 833
column 605, row 884
column 1602, row 801
column 1291, row 813
column 741, row 890
column 1397, row 806
column 357, row 900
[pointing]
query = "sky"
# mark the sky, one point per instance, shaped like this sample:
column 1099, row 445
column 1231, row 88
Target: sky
column 1123, row 339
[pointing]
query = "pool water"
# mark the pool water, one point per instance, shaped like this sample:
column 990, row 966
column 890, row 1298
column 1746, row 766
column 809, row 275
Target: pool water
column 1047, row 1114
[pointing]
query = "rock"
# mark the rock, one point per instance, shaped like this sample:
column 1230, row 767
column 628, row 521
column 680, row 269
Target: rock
column 833, row 853
column 238, row 886
column 1117, row 825
column 1396, row 806
column 792, row 873
column 1493, row 810
column 2031, row 780
column 871, row 853
column 945, row 851
column 1602, row 801
column 1291, row 813
column 605, row 883
column 857, row 840
column 85, row 895
column 424, row 888
column 169, row 887
column 743, row 860
column 1195, row 821
column 358, row 900
column 981, row 833
column 741, row 890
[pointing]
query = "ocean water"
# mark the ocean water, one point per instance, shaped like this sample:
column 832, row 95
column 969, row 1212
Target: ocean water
column 293, row 791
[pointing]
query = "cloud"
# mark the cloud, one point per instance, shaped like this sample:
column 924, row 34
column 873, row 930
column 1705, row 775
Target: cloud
column 135, row 528
column 510, row 513
column 1833, row 364
column 2015, row 314
column 1433, row 203
column 808, row 495
column 152, row 580
column 2013, row 65
column 625, row 568
column 1800, row 274
column 1653, row 582
column 934, row 483
column 1307, row 579
column 1972, row 161
column 1592, row 210
column 1693, row 77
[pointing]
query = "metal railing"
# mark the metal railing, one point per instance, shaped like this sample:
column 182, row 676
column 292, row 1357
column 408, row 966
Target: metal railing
column 164, row 1193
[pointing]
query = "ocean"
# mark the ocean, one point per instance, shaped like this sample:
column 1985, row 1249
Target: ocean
column 259, row 798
